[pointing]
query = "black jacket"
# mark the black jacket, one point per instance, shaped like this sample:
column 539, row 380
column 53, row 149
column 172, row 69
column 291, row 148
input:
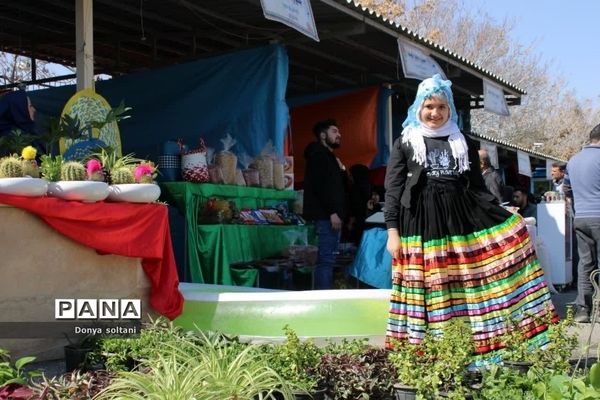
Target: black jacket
column 324, row 184
column 403, row 180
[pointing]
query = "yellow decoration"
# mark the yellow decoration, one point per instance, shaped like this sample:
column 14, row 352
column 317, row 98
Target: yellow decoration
column 29, row 153
column 87, row 105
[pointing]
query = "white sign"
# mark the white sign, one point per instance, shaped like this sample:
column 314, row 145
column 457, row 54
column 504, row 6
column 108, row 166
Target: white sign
column 524, row 163
column 493, row 99
column 417, row 63
column 296, row 14
column 492, row 150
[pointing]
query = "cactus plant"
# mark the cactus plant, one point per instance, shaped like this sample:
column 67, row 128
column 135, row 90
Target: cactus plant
column 72, row 171
column 30, row 168
column 50, row 167
column 122, row 175
column 11, row 167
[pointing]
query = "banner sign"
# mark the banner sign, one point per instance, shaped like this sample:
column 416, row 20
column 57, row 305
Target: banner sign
column 493, row 99
column 296, row 14
column 492, row 150
column 524, row 163
column 416, row 62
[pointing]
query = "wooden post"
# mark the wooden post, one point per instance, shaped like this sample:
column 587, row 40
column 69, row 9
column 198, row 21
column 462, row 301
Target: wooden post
column 84, row 43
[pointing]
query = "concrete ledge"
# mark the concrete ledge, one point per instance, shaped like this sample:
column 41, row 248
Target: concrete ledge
column 39, row 265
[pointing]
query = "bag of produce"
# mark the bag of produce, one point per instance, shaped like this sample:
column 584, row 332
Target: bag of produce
column 251, row 176
column 227, row 160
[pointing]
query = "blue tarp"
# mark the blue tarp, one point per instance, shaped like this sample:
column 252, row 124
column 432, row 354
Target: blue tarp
column 372, row 263
column 241, row 93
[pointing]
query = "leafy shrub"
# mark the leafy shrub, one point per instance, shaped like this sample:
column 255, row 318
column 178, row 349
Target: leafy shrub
column 294, row 360
column 10, row 374
column 438, row 363
column 352, row 376
column 123, row 354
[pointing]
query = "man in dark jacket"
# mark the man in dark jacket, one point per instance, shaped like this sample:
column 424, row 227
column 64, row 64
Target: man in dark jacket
column 325, row 197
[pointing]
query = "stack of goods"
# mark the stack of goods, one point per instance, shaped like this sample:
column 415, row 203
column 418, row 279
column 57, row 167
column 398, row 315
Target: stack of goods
column 222, row 211
column 267, row 170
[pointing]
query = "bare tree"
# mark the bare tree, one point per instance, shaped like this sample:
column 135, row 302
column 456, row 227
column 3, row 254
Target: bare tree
column 15, row 68
column 549, row 113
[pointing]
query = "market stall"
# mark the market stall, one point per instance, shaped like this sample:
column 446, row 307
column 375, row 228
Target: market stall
column 213, row 247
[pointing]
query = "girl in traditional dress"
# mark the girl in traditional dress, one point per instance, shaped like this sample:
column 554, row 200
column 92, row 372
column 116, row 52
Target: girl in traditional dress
column 456, row 253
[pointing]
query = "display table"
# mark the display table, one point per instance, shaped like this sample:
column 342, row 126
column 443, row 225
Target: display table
column 126, row 229
column 211, row 249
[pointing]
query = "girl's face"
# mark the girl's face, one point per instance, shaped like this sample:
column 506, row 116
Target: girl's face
column 434, row 112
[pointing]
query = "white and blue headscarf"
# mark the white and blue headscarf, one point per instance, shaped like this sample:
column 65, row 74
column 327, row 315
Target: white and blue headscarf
column 414, row 129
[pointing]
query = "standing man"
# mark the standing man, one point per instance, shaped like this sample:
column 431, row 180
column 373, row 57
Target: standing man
column 558, row 177
column 325, row 197
column 491, row 177
column 583, row 171
column 521, row 200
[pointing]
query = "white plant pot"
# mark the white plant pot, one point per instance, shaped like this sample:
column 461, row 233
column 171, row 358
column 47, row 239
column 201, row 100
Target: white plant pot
column 86, row 191
column 134, row 192
column 27, row 186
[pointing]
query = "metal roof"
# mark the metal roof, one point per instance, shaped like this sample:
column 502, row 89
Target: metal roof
column 510, row 145
column 433, row 46
column 357, row 48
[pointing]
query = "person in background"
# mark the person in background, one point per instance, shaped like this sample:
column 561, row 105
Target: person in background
column 455, row 252
column 522, row 200
column 374, row 204
column 360, row 193
column 558, row 176
column 491, row 177
column 583, row 185
column 325, row 196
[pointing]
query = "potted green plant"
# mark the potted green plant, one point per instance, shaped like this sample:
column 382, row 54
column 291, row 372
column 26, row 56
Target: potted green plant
column 295, row 361
column 77, row 351
column 14, row 379
column 521, row 354
column 68, row 180
column 438, row 365
column 202, row 366
column 131, row 179
column 367, row 374
column 20, row 175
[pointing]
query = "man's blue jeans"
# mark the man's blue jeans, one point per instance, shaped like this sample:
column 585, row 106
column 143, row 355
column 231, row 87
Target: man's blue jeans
column 329, row 241
column 588, row 247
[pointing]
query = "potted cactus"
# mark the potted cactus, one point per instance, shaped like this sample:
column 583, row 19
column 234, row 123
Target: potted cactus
column 70, row 180
column 20, row 175
column 134, row 183
column 131, row 179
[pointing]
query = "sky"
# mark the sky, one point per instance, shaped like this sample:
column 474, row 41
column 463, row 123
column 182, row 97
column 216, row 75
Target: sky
column 566, row 32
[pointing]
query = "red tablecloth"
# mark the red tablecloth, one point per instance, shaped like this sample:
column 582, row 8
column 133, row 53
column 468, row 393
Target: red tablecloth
column 126, row 229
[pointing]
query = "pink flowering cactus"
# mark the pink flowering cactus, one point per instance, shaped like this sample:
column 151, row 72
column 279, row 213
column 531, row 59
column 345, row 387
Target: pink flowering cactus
column 143, row 173
column 94, row 170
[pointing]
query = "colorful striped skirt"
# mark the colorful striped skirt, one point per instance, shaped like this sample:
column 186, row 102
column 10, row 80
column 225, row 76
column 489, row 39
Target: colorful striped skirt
column 465, row 258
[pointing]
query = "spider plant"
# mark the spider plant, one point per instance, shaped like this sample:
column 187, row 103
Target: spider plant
column 205, row 367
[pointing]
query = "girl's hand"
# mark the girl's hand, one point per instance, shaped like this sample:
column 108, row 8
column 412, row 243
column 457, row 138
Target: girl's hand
column 393, row 243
